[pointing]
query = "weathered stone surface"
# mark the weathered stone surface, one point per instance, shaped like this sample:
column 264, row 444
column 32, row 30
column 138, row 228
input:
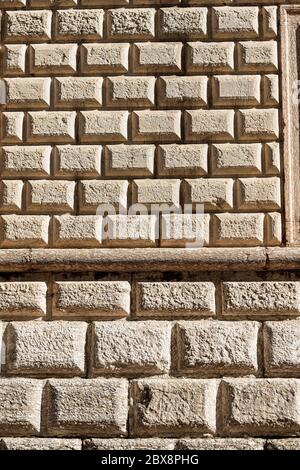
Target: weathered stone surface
column 128, row 444
column 42, row 443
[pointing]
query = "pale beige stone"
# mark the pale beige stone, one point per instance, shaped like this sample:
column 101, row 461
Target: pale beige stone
column 21, row 299
column 131, row 348
column 27, row 26
column 87, row 298
column 28, row 92
column 175, row 298
column 20, row 406
column 78, row 92
column 257, row 56
column 156, row 126
column 51, row 126
column 260, row 407
column 182, row 160
column 126, row 91
column 41, row 443
column 20, row 231
column 130, row 230
column 183, row 91
column 183, row 22
column 238, row 229
column 111, row 57
column 12, row 127
column 46, row 348
column 281, row 351
column 213, row 348
column 235, row 22
column 131, row 23
column 15, row 59
column 213, row 193
column 77, row 24
column 156, row 192
column 209, row 125
column 210, row 56
column 51, row 195
column 52, row 58
column 25, row 161
column 188, row 230
column 173, row 407
column 236, row 90
column 219, row 443
column 11, row 195
column 265, row 297
column 129, row 160
column 258, row 124
column 157, row 57
column 129, row 444
column 76, row 231
column 101, row 407
column 105, row 126
column 78, row 160
column 236, row 159
column 96, row 195
column 259, row 193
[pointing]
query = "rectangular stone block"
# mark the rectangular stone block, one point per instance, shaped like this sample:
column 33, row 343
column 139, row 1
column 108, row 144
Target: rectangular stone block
column 156, row 192
column 22, row 299
column 235, row 22
column 219, row 443
column 126, row 91
column 180, row 23
column 130, row 230
column 188, row 230
column 28, row 26
column 236, row 159
column 213, row 193
column 105, row 58
column 175, row 299
column 11, row 195
column 79, row 24
column 103, row 126
column 259, row 193
column 173, row 407
column 20, row 161
column 14, row 59
column 96, row 193
column 212, row 125
column 46, row 348
column 129, row 160
column 100, row 404
column 27, row 92
column 77, row 160
column 156, row 126
column 238, row 229
column 130, row 23
column 131, row 348
column 281, row 348
column 77, row 231
column 210, row 57
column 81, row 92
column 261, row 298
column 52, row 58
column 257, row 56
column 24, row 231
column 12, row 127
column 214, row 348
column 129, row 444
column 51, row 126
column 41, row 443
column 91, row 299
column 157, row 57
column 182, row 91
column 258, row 124
column 20, row 406
column 236, row 90
column 51, row 196
column 182, row 160
column 260, row 407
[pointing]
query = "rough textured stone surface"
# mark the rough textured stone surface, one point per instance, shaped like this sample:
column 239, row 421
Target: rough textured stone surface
column 221, row 444
column 128, row 444
column 173, row 407
column 126, row 348
column 175, row 298
column 44, row 443
column 101, row 407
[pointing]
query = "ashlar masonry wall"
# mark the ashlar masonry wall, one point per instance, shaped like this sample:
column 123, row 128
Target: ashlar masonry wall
column 138, row 342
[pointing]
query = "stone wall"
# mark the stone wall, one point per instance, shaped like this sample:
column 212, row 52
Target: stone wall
column 136, row 342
